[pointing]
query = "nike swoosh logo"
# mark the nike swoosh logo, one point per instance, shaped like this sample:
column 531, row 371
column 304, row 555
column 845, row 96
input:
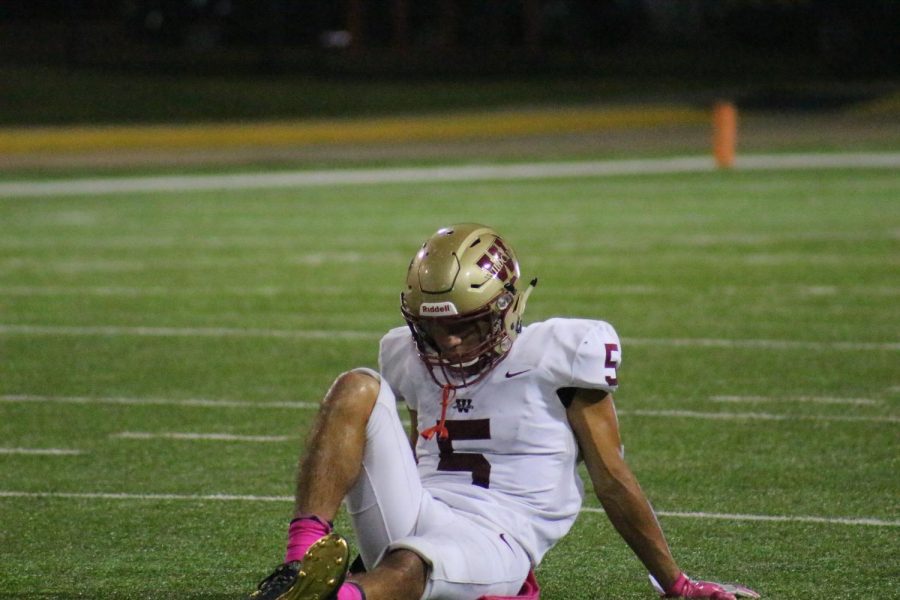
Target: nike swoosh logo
column 508, row 374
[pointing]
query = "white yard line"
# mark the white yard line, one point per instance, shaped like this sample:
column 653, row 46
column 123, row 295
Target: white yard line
column 41, row 451
column 767, row 518
column 188, row 402
column 152, row 497
column 115, row 330
column 153, row 291
column 205, row 437
column 764, row 344
column 864, row 521
column 440, row 174
column 118, row 265
column 748, row 416
column 207, row 403
column 796, row 400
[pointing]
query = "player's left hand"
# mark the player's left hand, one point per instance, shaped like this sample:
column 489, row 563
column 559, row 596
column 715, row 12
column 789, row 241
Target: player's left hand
column 684, row 587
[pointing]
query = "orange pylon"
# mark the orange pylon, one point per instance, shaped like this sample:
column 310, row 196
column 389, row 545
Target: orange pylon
column 724, row 134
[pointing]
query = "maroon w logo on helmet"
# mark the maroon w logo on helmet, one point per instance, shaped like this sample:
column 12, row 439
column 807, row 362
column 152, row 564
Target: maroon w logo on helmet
column 497, row 261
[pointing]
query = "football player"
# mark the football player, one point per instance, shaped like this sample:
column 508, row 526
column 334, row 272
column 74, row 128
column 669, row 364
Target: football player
column 466, row 503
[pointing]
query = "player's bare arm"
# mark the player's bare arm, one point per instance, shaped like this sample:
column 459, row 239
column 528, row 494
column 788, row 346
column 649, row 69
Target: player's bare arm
column 592, row 415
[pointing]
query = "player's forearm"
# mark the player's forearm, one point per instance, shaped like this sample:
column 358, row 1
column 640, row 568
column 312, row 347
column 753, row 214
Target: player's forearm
column 631, row 515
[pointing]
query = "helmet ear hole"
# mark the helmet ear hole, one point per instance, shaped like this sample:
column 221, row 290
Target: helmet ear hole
column 504, row 301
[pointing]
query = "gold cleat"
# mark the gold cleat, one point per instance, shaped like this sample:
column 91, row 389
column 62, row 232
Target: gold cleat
column 317, row 577
column 322, row 570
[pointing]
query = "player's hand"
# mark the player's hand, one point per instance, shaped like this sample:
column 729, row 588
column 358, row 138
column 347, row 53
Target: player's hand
column 684, row 587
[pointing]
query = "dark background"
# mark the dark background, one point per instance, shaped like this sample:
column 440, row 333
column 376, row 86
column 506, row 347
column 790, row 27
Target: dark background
column 111, row 61
column 732, row 39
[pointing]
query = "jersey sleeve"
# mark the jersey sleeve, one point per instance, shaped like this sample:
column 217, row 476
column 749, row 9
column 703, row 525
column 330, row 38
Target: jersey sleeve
column 597, row 360
column 394, row 355
column 580, row 353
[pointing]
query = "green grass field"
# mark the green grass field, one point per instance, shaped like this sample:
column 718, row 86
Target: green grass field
column 759, row 317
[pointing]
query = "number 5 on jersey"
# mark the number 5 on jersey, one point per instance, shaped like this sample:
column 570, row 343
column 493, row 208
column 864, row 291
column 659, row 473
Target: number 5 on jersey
column 613, row 356
column 475, row 463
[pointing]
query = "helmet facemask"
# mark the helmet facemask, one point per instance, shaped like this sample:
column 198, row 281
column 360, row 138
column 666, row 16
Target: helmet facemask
column 484, row 340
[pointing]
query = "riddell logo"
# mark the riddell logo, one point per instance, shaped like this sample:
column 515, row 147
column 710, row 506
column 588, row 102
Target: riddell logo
column 437, row 309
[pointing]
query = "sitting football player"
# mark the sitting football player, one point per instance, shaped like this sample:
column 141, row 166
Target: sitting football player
column 466, row 503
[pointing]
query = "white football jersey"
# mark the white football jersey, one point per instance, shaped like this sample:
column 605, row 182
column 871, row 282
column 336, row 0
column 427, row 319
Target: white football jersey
column 510, row 457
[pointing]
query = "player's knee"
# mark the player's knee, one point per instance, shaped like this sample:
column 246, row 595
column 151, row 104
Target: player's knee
column 407, row 571
column 353, row 391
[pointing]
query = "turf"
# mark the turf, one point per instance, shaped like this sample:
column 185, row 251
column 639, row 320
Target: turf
column 792, row 275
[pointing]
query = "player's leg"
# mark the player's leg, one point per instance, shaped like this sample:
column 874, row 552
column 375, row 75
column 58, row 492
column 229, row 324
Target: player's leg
column 386, row 498
column 384, row 504
column 316, row 560
column 357, row 448
column 466, row 556
column 334, row 451
column 401, row 575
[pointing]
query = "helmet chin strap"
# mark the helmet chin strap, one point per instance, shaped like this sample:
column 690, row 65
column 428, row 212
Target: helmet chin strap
column 448, row 392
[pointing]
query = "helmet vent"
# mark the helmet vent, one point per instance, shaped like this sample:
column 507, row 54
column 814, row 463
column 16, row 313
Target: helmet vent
column 475, row 243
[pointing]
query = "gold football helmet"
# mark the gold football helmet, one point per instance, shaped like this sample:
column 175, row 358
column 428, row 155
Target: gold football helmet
column 463, row 283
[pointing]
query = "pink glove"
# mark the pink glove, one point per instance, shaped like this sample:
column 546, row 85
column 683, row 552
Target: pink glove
column 684, row 587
